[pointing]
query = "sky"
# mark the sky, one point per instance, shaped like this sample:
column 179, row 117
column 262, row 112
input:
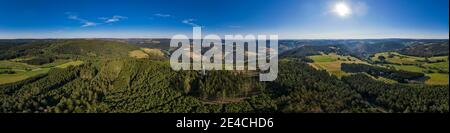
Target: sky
column 289, row 19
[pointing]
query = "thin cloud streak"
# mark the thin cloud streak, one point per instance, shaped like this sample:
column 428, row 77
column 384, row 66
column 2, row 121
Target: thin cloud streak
column 190, row 22
column 115, row 18
column 85, row 23
column 162, row 15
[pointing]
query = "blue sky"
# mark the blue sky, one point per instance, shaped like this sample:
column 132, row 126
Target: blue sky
column 290, row 19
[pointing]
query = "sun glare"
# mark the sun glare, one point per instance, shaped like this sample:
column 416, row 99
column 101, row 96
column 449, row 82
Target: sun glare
column 342, row 9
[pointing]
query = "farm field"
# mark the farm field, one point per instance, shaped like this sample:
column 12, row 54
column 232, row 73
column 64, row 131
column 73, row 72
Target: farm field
column 437, row 79
column 24, row 71
column 440, row 62
column 396, row 58
column 436, row 68
column 21, row 75
column 332, row 63
column 434, row 71
column 146, row 53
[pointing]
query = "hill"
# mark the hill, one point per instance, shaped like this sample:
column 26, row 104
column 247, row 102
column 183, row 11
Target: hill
column 307, row 50
column 95, row 48
column 23, row 59
column 426, row 50
column 12, row 49
column 65, row 48
column 365, row 49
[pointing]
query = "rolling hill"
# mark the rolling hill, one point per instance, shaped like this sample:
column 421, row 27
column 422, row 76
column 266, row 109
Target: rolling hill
column 426, row 50
column 95, row 48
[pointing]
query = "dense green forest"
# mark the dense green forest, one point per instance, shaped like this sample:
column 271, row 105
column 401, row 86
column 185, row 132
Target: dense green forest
column 110, row 81
column 48, row 49
column 134, row 85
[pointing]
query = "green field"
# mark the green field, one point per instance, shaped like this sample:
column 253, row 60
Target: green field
column 21, row 75
column 397, row 58
column 437, row 79
column 332, row 63
column 72, row 63
column 55, row 63
column 24, row 71
column 436, row 71
column 439, row 65
column 15, row 65
column 323, row 58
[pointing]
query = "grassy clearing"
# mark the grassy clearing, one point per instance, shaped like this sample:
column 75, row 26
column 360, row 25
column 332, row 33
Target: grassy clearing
column 138, row 54
column 4, row 64
column 21, row 75
column 72, row 63
column 437, row 79
column 54, row 63
column 332, row 63
column 438, row 58
column 145, row 53
column 331, row 67
column 323, row 58
column 418, row 64
column 439, row 65
column 24, row 71
column 434, row 78
column 153, row 52
column 396, row 58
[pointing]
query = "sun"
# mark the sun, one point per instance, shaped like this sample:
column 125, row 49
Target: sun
column 342, row 9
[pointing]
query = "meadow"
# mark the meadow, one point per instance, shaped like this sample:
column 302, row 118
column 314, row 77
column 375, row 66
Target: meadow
column 332, row 62
column 23, row 71
column 436, row 68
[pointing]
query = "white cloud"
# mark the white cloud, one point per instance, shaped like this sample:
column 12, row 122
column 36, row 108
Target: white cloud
column 88, row 24
column 163, row 15
column 115, row 18
column 190, row 22
column 84, row 22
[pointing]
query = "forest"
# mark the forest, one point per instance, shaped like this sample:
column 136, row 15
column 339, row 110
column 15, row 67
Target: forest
column 122, row 84
column 151, row 86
